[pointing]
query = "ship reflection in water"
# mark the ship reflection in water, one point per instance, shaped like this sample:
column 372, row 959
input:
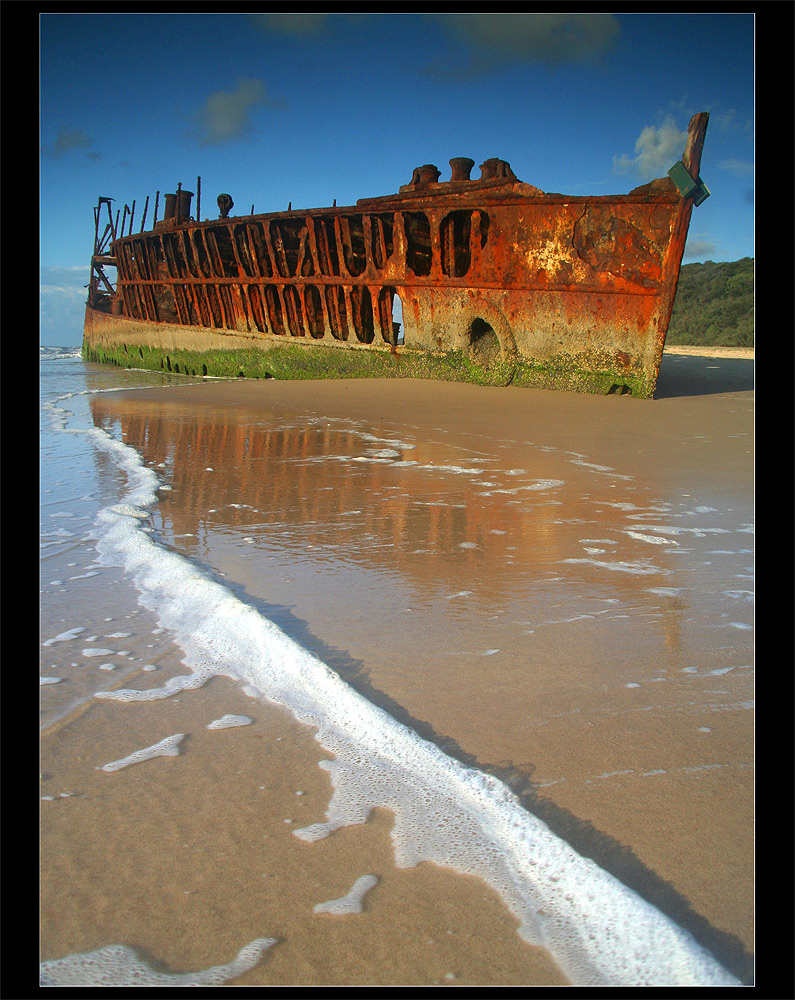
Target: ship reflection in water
column 332, row 494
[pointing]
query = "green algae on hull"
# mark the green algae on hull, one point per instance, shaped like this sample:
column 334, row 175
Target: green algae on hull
column 294, row 361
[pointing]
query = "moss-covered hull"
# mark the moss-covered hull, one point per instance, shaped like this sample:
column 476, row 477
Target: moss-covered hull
column 118, row 341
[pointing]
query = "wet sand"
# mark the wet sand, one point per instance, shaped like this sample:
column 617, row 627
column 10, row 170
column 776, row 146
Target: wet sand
column 619, row 716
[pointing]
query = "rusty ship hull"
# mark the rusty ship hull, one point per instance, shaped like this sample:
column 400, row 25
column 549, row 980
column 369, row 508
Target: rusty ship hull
column 499, row 282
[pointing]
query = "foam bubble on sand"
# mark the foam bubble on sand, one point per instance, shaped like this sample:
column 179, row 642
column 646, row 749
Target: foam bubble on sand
column 599, row 931
column 118, row 965
column 72, row 633
column 651, row 539
column 230, row 721
column 49, row 680
column 352, row 903
column 638, row 569
column 174, row 685
column 98, row 652
column 169, row 747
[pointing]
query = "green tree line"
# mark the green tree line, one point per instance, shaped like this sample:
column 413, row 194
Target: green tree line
column 714, row 305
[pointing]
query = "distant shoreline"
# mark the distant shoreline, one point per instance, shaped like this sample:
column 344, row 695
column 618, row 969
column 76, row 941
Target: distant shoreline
column 711, row 352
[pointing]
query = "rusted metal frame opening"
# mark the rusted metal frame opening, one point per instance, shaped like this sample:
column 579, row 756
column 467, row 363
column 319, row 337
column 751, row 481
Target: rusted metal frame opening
column 227, row 306
column 328, row 260
column 419, row 243
column 139, row 262
column 241, row 306
column 293, row 310
column 213, row 254
column 361, row 312
column 255, row 307
column 242, row 250
column 456, row 243
column 211, row 307
column 169, row 257
column 227, row 260
column 342, row 264
column 222, row 314
column 282, row 267
column 306, row 262
column 256, row 269
column 192, row 267
column 385, row 299
column 127, row 299
column 275, row 307
column 274, row 268
column 318, row 271
column 353, row 237
column 201, row 254
column 314, row 311
column 150, row 249
column 335, row 299
column 203, row 316
column 127, row 280
column 235, row 301
column 179, row 288
column 313, row 248
column 382, row 239
column 183, row 307
column 230, row 240
column 259, row 250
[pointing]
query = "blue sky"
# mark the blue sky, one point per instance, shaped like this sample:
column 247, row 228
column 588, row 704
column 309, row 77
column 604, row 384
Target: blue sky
column 309, row 107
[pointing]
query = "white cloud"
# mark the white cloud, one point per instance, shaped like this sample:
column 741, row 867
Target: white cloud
column 226, row 115
column 295, row 24
column 552, row 39
column 700, row 246
column 656, row 150
column 739, row 168
column 67, row 141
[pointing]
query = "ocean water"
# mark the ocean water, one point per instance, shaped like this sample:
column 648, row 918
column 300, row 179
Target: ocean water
column 370, row 580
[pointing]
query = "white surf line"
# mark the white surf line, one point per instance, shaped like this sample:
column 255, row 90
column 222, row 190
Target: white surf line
column 599, row 931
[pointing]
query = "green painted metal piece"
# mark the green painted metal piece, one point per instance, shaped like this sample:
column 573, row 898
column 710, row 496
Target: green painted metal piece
column 686, row 185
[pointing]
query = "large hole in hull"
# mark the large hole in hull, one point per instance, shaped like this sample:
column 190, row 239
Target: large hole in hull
column 484, row 344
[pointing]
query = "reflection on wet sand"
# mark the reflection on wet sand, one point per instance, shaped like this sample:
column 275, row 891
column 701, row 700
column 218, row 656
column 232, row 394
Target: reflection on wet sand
column 381, row 502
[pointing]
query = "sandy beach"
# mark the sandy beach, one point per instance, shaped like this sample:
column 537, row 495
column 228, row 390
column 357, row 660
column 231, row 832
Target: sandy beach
column 570, row 613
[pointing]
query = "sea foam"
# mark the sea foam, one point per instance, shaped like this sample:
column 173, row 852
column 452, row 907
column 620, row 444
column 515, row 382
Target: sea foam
column 599, row 931
column 352, row 901
column 118, row 965
column 169, row 747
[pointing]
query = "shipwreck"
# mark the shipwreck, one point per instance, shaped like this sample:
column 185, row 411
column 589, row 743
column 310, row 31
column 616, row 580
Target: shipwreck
column 499, row 282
